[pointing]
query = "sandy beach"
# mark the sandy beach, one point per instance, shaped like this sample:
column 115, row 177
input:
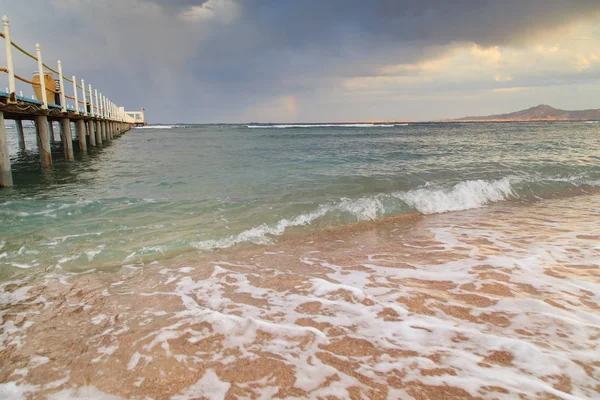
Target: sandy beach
column 494, row 303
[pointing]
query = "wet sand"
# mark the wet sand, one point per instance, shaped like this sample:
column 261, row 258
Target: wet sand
column 494, row 303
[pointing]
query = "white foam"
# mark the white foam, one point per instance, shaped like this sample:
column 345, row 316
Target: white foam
column 463, row 196
column 210, row 386
column 363, row 209
column 157, row 127
column 14, row 391
column 96, row 320
column 365, row 304
column 82, row 393
column 284, row 126
column 427, row 200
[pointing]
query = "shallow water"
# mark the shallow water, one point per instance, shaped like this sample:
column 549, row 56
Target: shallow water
column 420, row 261
column 494, row 303
column 156, row 193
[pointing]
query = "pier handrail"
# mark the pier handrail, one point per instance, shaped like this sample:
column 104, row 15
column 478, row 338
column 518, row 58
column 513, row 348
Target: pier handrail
column 104, row 110
column 28, row 54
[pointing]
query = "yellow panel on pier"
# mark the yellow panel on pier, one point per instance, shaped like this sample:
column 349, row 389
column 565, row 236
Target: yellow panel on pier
column 50, row 85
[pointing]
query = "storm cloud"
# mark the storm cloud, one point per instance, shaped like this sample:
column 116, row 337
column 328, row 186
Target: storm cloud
column 241, row 60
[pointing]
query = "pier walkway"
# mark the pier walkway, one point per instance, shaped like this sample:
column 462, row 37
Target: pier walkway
column 91, row 116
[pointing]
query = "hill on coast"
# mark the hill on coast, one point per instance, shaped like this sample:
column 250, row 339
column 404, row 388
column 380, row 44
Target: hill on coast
column 540, row 113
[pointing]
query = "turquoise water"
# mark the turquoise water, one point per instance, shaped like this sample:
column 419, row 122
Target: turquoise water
column 155, row 193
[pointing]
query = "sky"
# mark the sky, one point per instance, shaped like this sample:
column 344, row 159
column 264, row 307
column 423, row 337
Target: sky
column 211, row 61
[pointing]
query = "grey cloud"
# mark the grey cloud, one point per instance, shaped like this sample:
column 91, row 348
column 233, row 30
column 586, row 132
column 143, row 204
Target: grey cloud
column 210, row 69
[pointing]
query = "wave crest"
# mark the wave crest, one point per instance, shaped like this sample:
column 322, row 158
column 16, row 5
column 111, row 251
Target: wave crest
column 463, row 196
column 363, row 209
column 284, row 126
column 156, row 127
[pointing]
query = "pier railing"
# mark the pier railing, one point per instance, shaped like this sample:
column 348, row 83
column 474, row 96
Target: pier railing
column 95, row 119
column 64, row 93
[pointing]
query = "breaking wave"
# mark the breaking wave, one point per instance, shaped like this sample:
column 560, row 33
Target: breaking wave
column 157, row 127
column 464, row 195
column 283, row 126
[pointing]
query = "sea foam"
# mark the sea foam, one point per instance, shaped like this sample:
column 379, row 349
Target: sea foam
column 426, row 200
column 156, row 127
column 284, row 126
column 463, row 196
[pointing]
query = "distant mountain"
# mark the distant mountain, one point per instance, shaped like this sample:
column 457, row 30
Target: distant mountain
column 540, row 113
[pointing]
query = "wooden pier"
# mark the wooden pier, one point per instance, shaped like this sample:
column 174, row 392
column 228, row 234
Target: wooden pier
column 85, row 115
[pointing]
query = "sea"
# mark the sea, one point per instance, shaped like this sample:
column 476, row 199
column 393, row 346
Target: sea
column 325, row 261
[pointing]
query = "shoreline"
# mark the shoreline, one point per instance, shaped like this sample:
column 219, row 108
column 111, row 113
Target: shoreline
column 496, row 296
column 293, row 234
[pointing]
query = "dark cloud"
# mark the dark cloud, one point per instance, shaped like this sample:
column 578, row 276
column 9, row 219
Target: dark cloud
column 215, row 68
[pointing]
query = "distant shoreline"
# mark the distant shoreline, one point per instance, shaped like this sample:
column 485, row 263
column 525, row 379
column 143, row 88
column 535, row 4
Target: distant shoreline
column 541, row 113
column 514, row 120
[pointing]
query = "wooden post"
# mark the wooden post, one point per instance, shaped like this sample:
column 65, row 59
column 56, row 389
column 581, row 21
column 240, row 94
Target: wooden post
column 51, row 131
column 67, row 139
column 91, row 133
column 102, row 106
column 80, row 129
column 75, row 94
column 98, row 133
column 91, row 100
column 20, row 134
column 9, row 60
column 5, row 171
column 38, row 52
column 63, row 99
column 44, row 141
column 99, row 105
column 37, row 137
column 84, row 101
column 97, row 113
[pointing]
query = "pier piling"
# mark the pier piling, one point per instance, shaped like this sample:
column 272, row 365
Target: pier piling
column 20, row 134
column 67, row 139
column 44, row 141
column 51, row 131
column 98, row 133
column 80, row 130
column 94, row 116
column 5, row 171
column 91, row 133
